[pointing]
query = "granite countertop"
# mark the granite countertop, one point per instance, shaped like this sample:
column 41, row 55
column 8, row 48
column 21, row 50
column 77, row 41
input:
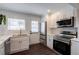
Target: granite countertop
column 22, row 35
column 3, row 38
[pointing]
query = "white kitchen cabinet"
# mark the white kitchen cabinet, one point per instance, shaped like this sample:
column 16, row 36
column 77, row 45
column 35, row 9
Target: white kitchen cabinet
column 34, row 38
column 74, row 47
column 2, row 52
column 53, row 23
column 19, row 44
column 15, row 44
column 52, row 20
column 25, row 43
column 50, row 41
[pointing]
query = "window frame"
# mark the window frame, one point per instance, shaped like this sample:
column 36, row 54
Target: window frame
column 38, row 26
column 16, row 19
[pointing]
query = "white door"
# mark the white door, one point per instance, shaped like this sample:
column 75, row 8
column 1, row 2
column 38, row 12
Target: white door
column 34, row 35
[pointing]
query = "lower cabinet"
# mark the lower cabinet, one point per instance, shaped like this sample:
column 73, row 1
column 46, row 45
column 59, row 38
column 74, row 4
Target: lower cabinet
column 50, row 41
column 7, row 47
column 2, row 51
column 74, row 47
column 19, row 44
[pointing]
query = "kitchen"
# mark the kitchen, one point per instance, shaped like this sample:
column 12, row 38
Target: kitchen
column 58, row 30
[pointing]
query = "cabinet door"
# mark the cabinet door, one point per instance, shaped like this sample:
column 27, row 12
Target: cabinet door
column 50, row 42
column 25, row 43
column 74, row 48
column 15, row 45
column 53, row 21
column 19, row 44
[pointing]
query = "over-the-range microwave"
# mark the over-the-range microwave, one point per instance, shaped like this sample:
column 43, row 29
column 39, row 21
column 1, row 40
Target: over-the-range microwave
column 66, row 22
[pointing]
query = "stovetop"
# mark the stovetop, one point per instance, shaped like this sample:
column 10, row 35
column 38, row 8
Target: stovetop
column 66, row 37
column 63, row 38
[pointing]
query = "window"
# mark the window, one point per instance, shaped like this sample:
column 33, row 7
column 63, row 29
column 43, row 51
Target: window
column 16, row 24
column 43, row 28
column 34, row 26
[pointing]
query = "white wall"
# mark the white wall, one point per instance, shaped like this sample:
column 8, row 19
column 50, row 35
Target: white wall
column 76, row 13
column 28, row 18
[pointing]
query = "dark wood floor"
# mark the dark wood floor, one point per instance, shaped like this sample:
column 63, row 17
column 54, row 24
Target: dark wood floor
column 37, row 49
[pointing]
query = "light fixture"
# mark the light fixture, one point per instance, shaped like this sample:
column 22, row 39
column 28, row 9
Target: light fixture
column 49, row 12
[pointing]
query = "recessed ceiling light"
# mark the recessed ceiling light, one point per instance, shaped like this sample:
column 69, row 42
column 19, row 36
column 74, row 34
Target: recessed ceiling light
column 49, row 10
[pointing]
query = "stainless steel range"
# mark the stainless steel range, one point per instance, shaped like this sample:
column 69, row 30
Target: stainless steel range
column 62, row 43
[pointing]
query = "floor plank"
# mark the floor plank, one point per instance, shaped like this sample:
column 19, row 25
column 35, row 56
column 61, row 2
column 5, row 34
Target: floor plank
column 37, row 49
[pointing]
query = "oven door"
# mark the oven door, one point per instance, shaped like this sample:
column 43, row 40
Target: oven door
column 61, row 47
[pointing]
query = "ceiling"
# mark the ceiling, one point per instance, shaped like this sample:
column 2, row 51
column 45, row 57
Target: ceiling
column 33, row 8
column 76, row 5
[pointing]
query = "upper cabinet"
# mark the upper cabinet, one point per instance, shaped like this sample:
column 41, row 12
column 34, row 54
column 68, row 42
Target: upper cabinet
column 61, row 14
column 52, row 20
